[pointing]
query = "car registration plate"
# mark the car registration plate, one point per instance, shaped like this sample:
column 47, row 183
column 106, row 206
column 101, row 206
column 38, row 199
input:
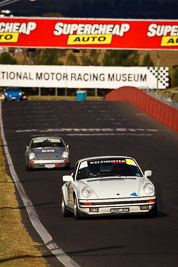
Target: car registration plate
column 50, row 166
column 120, row 210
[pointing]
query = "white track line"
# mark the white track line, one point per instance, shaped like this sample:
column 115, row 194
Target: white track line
column 6, row 2
column 88, row 130
column 45, row 236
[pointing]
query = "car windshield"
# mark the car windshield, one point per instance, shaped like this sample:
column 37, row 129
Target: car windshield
column 108, row 167
column 47, row 142
column 12, row 89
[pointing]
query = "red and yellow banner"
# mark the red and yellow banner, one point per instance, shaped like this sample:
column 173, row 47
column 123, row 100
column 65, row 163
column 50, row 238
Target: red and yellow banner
column 89, row 33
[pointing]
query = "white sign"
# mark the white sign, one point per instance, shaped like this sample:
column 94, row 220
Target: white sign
column 83, row 76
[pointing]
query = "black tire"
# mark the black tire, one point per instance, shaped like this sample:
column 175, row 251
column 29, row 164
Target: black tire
column 29, row 168
column 65, row 211
column 76, row 210
column 153, row 212
column 67, row 167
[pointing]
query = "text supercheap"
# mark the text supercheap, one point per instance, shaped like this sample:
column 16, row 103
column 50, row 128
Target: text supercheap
column 85, row 29
column 17, row 27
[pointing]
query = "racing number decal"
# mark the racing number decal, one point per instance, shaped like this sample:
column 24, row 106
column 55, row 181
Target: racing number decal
column 130, row 162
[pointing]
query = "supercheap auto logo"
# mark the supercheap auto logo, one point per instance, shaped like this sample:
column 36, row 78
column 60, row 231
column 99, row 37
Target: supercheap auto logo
column 169, row 33
column 10, row 31
column 81, row 34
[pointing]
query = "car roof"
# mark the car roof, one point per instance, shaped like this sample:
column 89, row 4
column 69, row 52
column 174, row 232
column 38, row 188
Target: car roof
column 47, row 137
column 13, row 88
column 39, row 137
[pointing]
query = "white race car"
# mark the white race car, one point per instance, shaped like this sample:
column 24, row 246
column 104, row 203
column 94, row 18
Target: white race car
column 108, row 185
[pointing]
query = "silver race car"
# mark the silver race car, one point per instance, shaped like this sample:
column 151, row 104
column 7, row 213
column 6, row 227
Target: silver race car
column 47, row 152
column 111, row 185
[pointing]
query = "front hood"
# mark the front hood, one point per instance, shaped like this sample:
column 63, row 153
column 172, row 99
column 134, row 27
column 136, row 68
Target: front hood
column 13, row 94
column 48, row 153
column 114, row 187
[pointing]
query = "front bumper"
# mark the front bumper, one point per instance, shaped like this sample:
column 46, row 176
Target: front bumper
column 126, row 206
column 12, row 98
column 49, row 164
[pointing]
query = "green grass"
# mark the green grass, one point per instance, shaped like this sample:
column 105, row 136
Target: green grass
column 67, row 98
column 16, row 246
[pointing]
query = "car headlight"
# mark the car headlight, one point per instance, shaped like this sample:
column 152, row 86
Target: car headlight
column 86, row 191
column 65, row 154
column 20, row 93
column 148, row 188
column 31, row 156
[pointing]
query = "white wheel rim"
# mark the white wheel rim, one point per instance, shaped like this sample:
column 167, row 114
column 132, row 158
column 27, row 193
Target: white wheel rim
column 75, row 208
column 62, row 206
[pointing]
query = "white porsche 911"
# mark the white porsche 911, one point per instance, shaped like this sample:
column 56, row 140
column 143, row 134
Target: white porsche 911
column 108, row 185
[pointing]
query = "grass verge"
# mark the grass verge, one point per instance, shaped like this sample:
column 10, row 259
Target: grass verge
column 16, row 246
column 66, row 98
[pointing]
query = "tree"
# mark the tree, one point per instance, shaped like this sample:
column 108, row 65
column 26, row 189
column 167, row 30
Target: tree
column 6, row 58
column 121, row 58
column 72, row 60
column 147, row 61
column 90, row 57
column 94, row 56
column 31, row 56
column 48, row 57
column 175, row 78
column 52, row 14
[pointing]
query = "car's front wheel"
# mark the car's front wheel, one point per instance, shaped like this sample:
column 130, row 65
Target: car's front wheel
column 65, row 211
column 76, row 210
column 28, row 168
column 68, row 166
column 153, row 212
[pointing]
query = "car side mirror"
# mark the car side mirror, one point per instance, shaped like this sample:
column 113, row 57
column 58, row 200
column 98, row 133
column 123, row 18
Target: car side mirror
column 68, row 146
column 26, row 147
column 148, row 173
column 67, row 178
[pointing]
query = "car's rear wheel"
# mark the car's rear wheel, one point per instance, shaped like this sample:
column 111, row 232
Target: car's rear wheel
column 65, row 211
column 76, row 210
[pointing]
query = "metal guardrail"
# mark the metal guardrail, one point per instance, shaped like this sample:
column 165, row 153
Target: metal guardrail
column 164, row 99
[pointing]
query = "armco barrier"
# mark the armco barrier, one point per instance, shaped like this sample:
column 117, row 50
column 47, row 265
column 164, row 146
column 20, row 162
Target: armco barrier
column 158, row 110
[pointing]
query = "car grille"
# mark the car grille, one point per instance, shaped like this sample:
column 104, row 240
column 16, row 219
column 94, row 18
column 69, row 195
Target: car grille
column 117, row 202
column 50, row 156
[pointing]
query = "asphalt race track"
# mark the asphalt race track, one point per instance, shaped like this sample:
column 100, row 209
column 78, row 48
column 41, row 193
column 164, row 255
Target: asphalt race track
column 93, row 129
